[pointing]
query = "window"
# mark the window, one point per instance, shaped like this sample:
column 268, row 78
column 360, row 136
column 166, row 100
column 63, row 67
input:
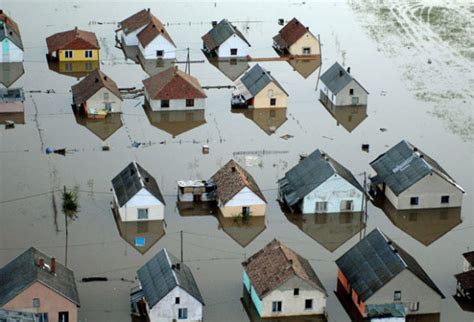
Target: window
column 397, row 295
column 88, row 53
column 140, row 241
column 63, row 317
column 160, row 53
column 143, row 213
column 182, row 313
column 308, row 304
column 296, row 291
column 108, row 107
column 106, row 96
column 355, row 100
column 41, row 317
column 276, row 306
column 414, row 201
column 68, row 54
column 273, row 101
column 351, row 91
column 36, row 302
column 233, row 51
column 306, row 50
column 165, row 103
column 346, row 205
column 414, row 306
column 272, row 113
column 444, row 199
column 245, row 211
column 189, row 102
column 176, row 300
column 321, row 206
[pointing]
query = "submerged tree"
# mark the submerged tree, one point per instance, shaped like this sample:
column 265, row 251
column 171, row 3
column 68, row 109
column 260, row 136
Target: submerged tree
column 70, row 210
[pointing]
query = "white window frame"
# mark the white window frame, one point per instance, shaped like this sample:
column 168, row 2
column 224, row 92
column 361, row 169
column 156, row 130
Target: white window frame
column 68, row 53
column 142, row 210
column 321, row 206
column 306, row 50
column 88, row 53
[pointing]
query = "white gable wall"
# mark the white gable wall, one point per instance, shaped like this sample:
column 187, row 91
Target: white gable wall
column 328, row 93
column 143, row 199
column 159, row 43
column 131, row 39
column 245, row 197
column 175, row 105
column 166, row 310
column 99, row 102
column 14, row 54
column 344, row 98
column 233, row 41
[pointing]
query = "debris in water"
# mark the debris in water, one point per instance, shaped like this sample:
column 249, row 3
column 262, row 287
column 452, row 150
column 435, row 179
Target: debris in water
column 205, row 149
column 365, row 147
column 9, row 125
column 429, row 61
column 286, row 136
column 136, row 144
column 57, row 151
column 94, row 279
column 382, row 129
column 105, row 148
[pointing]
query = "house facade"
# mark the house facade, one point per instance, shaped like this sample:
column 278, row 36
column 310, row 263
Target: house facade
column 73, row 45
column 224, row 40
column 282, row 283
column 410, row 179
column 296, row 39
column 11, row 45
column 319, row 184
column 137, row 196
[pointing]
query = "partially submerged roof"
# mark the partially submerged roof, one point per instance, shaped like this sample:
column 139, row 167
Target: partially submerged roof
column 153, row 30
column 396, row 310
column 404, row 165
column 231, row 179
column 72, row 39
column 257, row 79
column 309, row 174
column 466, row 279
column 131, row 180
column 23, row 271
column 220, row 33
column 173, row 84
column 374, row 261
column 9, row 30
column 136, row 21
column 161, row 274
column 336, row 78
column 91, row 84
column 469, row 256
column 275, row 264
column 290, row 33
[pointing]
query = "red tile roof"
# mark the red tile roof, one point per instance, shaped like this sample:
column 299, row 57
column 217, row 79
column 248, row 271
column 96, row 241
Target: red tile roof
column 9, row 21
column 91, row 84
column 153, row 30
column 136, row 21
column 290, row 33
column 72, row 39
column 173, row 84
column 274, row 265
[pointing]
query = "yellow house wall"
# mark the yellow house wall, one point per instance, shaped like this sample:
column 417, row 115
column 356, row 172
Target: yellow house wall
column 256, row 210
column 78, row 55
column 262, row 100
column 307, row 40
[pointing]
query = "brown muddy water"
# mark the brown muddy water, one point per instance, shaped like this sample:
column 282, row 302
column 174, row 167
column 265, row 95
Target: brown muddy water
column 214, row 249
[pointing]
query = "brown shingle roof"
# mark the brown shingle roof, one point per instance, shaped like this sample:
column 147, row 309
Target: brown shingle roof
column 275, row 264
column 91, row 84
column 72, row 39
column 173, row 84
column 290, row 33
column 136, row 21
column 153, row 30
column 231, row 179
column 9, row 21
column 469, row 256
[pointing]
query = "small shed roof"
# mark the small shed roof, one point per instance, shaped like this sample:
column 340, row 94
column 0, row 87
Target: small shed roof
column 162, row 273
column 9, row 29
column 153, row 30
column 257, row 78
column 72, row 39
column 469, row 256
column 336, row 78
column 220, row 33
column 290, row 33
column 91, row 84
column 275, row 264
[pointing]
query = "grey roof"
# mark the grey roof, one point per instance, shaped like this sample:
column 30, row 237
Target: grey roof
column 374, row 261
column 309, row 174
column 385, row 310
column 336, row 78
column 16, row 316
column 257, row 78
column 220, row 33
column 11, row 34
column 160, row 275
column 23, row 271
column 404, row 165
column 131, row 180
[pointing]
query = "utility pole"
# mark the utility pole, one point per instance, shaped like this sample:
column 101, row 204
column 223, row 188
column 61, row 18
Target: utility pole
column 181, row 233
column 67, row 233
column 187, row 69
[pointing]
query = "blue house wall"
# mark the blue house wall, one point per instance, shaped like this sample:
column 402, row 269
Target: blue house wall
column 253, row 295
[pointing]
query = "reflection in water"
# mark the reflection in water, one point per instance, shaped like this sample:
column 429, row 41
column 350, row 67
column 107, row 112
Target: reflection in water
column 305, row 67
column 103, row 128
column 348, row 116
column 76, row 69
column 196, row 209
column 141, row 235
column 10, row 73
column 242, row 230
column 330, row 230
column 156, row 66
column 231, row 68
column 268, row 119
column 12, row 108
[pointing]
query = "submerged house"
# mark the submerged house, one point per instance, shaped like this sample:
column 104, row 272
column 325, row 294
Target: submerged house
column 410, row 179
column 319, row 184
column 168, row 291
column 98, row 95
column 137, row 196
column 237, row 193
column 73, row 45
column 173, row 90
column 224, row 40
column 296, row 39
column 465, row 283
column 339, row 88
column 281, row 283
column 11, row 49
column 378, row 271
column 259, row 89
column 12, row 105
column 37, row 283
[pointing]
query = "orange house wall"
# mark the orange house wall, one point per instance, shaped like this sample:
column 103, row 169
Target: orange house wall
column 343, row 280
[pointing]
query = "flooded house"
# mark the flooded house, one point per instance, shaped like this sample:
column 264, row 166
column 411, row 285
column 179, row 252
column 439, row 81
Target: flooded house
column 76, row 69
column 173, row 89
column 224, row 40
column 12, row 107
column 177, row 122
column 73, row 45
column 296, row 39
column 339, row 88
column 237, row 193
column 98, row 95
column 319, row 184
column 257, row 88
column 282, row 283
column 37, row 283
column 167, row 291
column 137, row 196
column 465, row 283
column 410, row 179
column 378, row 271
column 12, row 46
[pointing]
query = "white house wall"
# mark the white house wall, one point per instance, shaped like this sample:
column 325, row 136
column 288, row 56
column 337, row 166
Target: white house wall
column 98, row 101
column 131, row 39
column 166, row 310
column 15, row 54
column 175, row 105
column 143, row 199
column 334, row 190
column 344, row 98
column 328, row 93
column 233, row 41
column 159, row 43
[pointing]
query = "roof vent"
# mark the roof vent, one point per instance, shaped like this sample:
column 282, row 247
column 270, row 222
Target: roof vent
column 233, row 169
column 148, row 10
column 281, row 21
column 176, row 266
column 147, row 180
column 75, row 29
column 307, row 28
column 105, row 77
column 415, row 149
column 97, row 80
column 348, row 70
column 341, row 72
column 162, row 30
column 214, row 23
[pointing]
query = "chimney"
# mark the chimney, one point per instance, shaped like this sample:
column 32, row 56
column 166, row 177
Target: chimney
column 41, row 262
column 53, row 265
column 341, row 73
column 97, row 80
column 105, row 77
column 75, row 29
column 348, row 70
column 214, row 23
column 233, row 169
column 1, row 11
column 148, row 10
column 307, row 28
column 415, row 149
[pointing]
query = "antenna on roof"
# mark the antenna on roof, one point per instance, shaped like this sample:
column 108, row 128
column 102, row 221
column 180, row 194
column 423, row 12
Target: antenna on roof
column 187, row 69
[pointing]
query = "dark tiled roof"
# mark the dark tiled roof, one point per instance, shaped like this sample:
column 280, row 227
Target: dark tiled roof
column 173, row 84
column 9, row 29
column 131, row 180
column 336, row 78
column 469, row 256
column 275, row 264
column 257, row 78
column 160, row 275
column 136, row 21
column 290, row 33
column 153, row 30
column 91, row 84
column 374, row 261
column 309, row 174
column 404, row 165
column 220, row 33
column 466, row 279
column 231, row 179
column 23, row 271
column 72, row 39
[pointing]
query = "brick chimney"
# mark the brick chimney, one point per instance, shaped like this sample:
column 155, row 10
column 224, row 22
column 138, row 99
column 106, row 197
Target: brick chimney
column 53, row 265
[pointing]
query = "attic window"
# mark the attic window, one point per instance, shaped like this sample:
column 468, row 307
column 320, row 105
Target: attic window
column 165, row 103
column 351, row 91
column 36, row 302
column 397, row 295
column 233, row 51
column 414, row 201
column 88, row 53
column 160, row 53
column 306, row 50
column 296, row 291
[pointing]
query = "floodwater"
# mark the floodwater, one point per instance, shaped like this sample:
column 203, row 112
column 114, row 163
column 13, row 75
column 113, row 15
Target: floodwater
column 213, row 248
